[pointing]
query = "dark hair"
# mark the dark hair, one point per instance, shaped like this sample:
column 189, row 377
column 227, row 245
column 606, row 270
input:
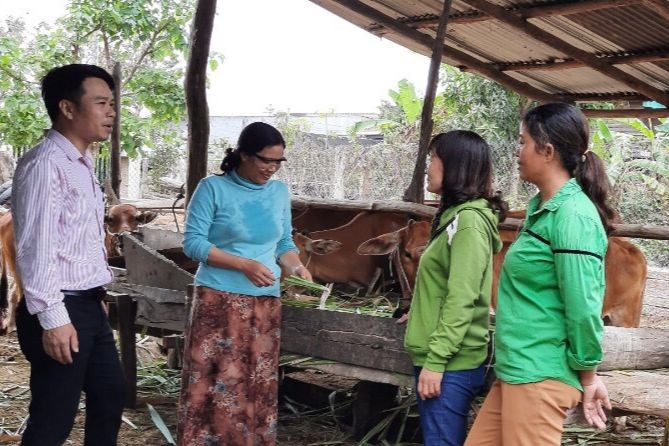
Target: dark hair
column 254, row 137
column 566, row 129
column 66, row 83
column 467, row 171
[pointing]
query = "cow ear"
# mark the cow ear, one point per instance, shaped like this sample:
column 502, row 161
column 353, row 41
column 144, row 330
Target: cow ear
column 322, row 247
column 145, row 217
column 381, row 245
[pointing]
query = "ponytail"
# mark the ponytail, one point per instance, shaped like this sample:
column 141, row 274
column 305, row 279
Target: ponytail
column 231, row 161
column 591, row 175
column 498, row 205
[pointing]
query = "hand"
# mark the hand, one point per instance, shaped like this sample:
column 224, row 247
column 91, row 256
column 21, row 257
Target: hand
column 403, row 319
column 303, row 272
column 429, row 384
column 595, row 396
column 60, row 342
column 257, row 273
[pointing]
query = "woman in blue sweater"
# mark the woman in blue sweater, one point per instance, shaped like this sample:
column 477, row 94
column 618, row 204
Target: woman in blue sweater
column 239, row 228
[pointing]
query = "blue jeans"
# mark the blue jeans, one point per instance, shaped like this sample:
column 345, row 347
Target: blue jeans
column 443, row 419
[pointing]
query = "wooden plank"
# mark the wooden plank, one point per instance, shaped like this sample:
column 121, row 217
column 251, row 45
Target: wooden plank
column 421, row 210
column 168, row 316
column 160, row 238
column 627, row 113
column 126, row 331
column 337, row 336
column 148, row 267
column 363, row 373
column 640, row 391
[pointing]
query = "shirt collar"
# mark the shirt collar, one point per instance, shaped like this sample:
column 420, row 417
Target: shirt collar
column 68, row 148
column 570, row 188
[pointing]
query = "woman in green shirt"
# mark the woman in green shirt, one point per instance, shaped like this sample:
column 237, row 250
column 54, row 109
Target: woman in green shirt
column 551, row 289
column 447, row 332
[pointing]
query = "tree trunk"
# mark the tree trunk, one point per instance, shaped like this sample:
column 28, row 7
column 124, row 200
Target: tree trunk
column 115, row 153
column 415, row 190
column 196, row 93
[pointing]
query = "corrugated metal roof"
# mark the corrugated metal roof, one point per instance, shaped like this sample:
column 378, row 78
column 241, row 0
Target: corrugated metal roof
column 615, row 30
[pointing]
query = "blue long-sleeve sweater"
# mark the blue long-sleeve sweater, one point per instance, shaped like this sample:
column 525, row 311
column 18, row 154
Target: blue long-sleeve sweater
column 243, row 219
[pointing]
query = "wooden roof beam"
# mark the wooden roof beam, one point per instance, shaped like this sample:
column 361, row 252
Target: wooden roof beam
column 641, row 113
column 588, row 59
column 661, row 7
column 657, row 55
column 600, row 97
column 464, row 60
column 529, row 12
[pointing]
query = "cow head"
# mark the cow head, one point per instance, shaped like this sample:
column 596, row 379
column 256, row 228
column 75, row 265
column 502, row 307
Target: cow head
column 126, row 218
column 308, row 246
column 410, row 242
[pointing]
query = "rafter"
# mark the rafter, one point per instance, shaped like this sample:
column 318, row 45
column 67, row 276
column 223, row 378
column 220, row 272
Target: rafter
column 529, row 12
column 599, row 97
column 586, row 58
column 661, row 7
column 426, row 42
column 656, row 55
column 628, row 113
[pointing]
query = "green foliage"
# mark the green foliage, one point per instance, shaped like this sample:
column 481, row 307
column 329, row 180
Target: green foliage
column 291, row 129
column 148, row 37
column 638, row 167
column 471, row 102
column 406, row 99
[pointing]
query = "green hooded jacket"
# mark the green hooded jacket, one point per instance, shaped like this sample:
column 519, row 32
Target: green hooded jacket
column 450, row 310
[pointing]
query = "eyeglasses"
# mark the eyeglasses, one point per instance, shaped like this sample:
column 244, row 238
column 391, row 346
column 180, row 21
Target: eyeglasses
column 268, row 161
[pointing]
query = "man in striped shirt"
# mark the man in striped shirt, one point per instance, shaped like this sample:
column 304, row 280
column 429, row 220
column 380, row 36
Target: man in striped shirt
column 58, row 212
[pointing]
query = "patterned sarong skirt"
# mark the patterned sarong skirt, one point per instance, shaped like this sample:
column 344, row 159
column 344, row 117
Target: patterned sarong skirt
column 230, row 373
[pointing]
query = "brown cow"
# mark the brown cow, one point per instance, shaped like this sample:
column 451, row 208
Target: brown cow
column 625, row 269
column 8, row 300
column 346, row 265
column 120, row 218
column 318, row 219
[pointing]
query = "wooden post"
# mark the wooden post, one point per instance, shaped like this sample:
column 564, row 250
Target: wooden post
column 115, row 152
column 125, row 308
column 196, row 93
column 415, row 191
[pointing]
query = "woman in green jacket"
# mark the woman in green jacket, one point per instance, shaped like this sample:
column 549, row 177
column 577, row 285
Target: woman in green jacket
column 551, row 289
column 447, row 332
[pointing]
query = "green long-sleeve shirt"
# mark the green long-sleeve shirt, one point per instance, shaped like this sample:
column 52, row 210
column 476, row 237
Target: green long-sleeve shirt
column 551, row 290
column 450, row 310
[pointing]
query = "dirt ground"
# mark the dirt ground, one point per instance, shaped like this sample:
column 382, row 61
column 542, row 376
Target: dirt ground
column 298, row 425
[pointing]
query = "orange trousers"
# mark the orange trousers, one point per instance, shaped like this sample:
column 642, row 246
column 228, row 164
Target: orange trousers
column 523, row 414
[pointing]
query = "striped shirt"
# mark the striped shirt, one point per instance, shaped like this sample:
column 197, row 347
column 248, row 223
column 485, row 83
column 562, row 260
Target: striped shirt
column 58, row 213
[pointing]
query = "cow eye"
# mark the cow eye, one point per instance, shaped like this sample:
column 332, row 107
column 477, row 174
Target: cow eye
column 407, row 254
